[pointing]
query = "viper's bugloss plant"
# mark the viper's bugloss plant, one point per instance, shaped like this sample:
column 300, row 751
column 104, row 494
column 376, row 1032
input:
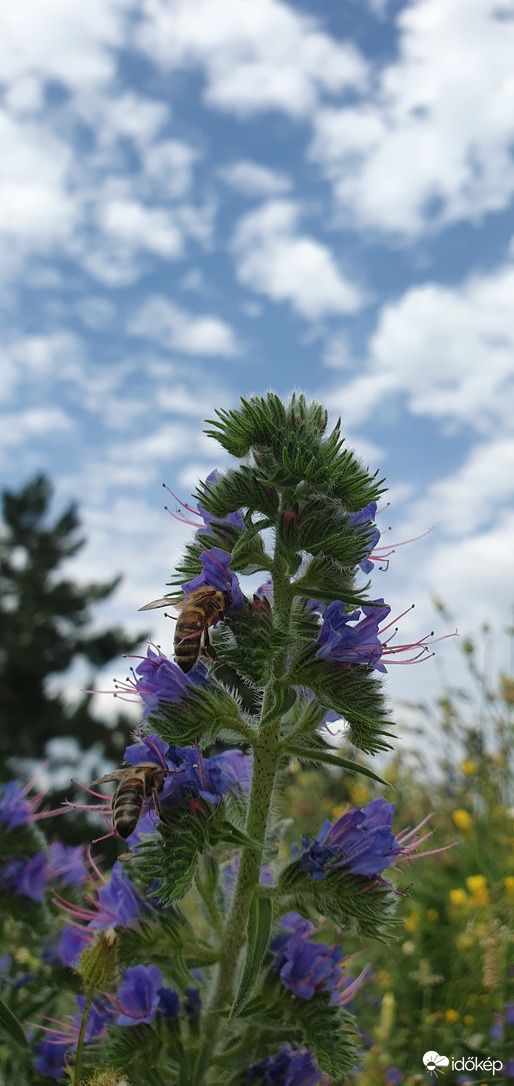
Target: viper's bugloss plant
column 223, row 957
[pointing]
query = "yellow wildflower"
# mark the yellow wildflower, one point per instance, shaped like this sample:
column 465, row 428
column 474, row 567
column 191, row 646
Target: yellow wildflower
column 468, row 1019
column 481, row 896
column 411, row 922
column 475, row 883
column 509, row 886
column 462, row 819
column 458, row 898
column 432, row 914
column 359, row 794
column 464, row 941
column 339, row 810
column 384, row 978
column 451, row 1017
column 469, row 767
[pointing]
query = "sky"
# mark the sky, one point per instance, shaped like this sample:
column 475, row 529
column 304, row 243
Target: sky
column 202, row 199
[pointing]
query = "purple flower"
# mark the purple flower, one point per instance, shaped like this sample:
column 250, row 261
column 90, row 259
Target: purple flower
column 169, row 1003
column 27, row 877
column 216, row 574
column 496, row 1031
column 49, row 1060
column 72, row 943
column 15, row 808
column 305, row 967
column 138, row 997
column 192, row 1004
column 66, row 863
column 285, row 1068
column 394, row 1076
column 158, row 679
column 119, row 903
column 509, row 1014
column 235, row 519
column 368, row 513
column 207, row 778
column 50, row 1053
column 344, row 639
column 361, row 840
column 150, row 749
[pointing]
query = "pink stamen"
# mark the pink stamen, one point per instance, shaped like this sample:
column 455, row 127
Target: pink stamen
column 183, row 504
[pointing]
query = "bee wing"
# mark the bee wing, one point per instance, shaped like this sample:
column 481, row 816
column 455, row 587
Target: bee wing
column 165, row 601
column 114, row 776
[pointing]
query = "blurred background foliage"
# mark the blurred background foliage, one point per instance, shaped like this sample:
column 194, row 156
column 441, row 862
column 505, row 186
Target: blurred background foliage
column 447, row 983
column 48, row 622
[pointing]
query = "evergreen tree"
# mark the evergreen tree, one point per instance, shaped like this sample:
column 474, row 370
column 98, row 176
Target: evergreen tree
column 45, row 625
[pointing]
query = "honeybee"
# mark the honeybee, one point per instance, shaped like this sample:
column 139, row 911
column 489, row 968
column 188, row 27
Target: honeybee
column 199, row 610
column 134, row 785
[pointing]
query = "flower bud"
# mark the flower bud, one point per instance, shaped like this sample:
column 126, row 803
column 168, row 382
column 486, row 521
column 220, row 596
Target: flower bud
column 98, row 963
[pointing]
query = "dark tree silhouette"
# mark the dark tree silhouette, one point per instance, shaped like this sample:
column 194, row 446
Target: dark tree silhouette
column 45, row 624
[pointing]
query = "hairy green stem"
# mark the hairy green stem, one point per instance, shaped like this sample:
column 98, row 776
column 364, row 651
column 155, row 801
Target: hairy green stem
column 266, row 755
column 77, row 1067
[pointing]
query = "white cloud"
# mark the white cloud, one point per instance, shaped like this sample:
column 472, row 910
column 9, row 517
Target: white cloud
column 273, row 259
column 256, row 56
column 434, row 144
column 34, row 362
column 139, row 227
column 71, row 43
column 252, row 179
column 36, row 422
column 449, row 351
column 179, row 330
column 36, row 209
column 168, row 165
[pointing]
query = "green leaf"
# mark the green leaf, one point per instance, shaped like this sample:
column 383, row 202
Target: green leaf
column 259, row 927
column 328, row 1031
column 320, row 756
column 10, row 1025
column 206, row 711
column 249, row 556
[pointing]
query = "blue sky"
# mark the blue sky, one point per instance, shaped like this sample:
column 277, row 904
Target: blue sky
column 206, row 198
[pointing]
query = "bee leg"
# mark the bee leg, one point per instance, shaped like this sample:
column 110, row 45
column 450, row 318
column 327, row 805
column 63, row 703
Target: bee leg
column 208, row 649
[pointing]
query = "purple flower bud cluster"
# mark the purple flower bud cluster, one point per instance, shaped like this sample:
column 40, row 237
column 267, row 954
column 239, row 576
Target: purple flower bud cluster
column 288, row 1067
column 305, row 967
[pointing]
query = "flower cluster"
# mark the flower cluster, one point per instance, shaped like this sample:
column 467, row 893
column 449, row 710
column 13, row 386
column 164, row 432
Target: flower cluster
column 288, row 1067
column 305, row 967
column 18, row 808
column 52, row 1052
column 362, row 840
column 157, row 679
column 29, row 878
column 216, row 574
column 117, row 905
